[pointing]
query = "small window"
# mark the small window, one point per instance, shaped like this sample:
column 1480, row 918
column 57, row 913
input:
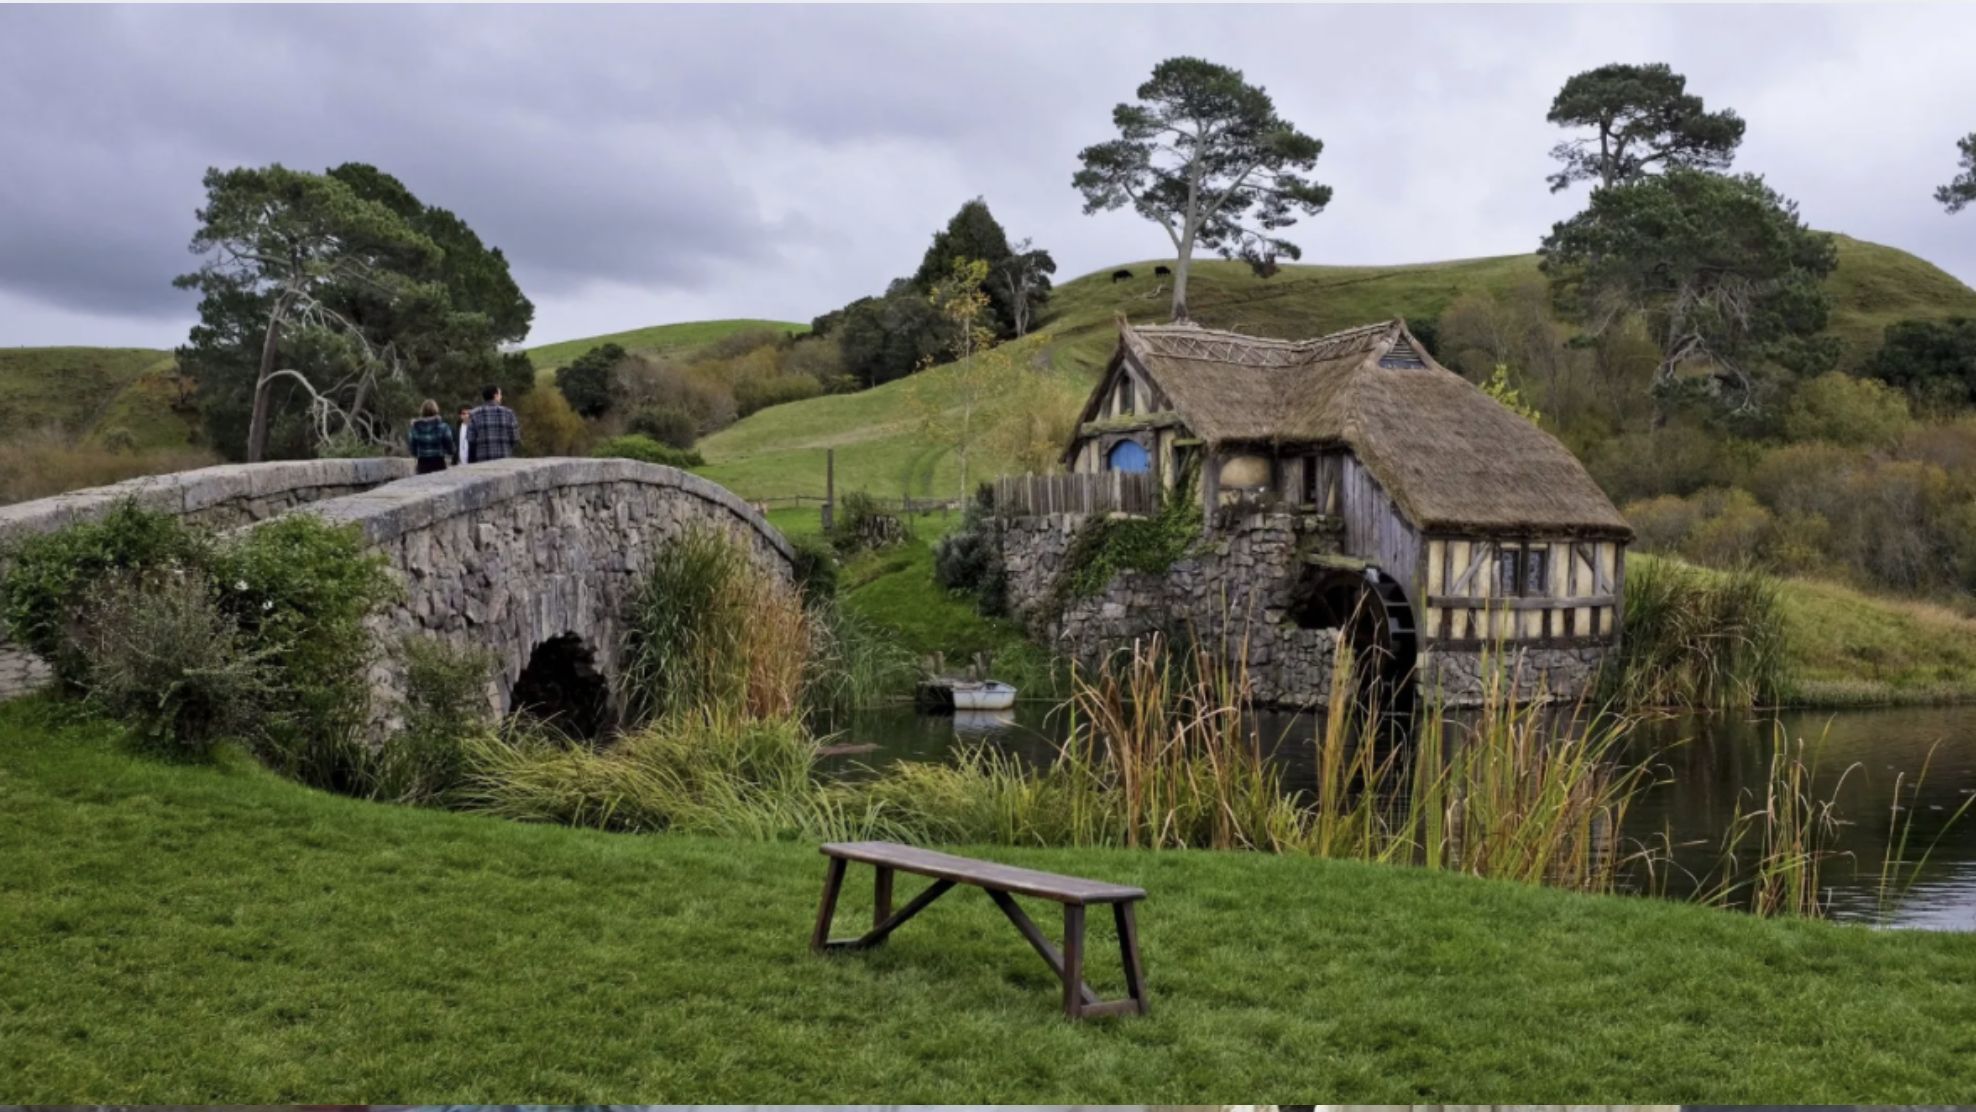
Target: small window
column 1524, row 571
column 1537, row 570
column 1125, row 394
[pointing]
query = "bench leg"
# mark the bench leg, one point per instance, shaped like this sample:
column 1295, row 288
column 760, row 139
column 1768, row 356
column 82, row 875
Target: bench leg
column 881, row 893
column 833, row 882
column 1128, row 950
column 1073, row 960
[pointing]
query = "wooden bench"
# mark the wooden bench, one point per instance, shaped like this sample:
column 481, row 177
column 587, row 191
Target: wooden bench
column 1002, row 883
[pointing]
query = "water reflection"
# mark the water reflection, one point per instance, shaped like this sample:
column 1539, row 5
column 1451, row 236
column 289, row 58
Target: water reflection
column 1868, row 760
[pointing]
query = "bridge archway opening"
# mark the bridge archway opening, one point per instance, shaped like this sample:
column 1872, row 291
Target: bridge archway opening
column 562, row 686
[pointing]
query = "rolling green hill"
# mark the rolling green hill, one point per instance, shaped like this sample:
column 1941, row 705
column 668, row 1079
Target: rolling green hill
column 85, row 393
column 661, row 339
column 779, row 451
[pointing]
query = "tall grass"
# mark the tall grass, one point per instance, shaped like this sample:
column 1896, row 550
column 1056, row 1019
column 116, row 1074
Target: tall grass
column 53, row 461
column 1697, row 638
column 1899, row 872
column 722, row 774
column 1779, row 840
column 710, row 633
column 1163, row 752
column 853, row 661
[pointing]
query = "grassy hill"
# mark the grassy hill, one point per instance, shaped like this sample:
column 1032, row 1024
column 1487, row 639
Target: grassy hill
column 84, row 393
column 658, row 339
column 780, row 451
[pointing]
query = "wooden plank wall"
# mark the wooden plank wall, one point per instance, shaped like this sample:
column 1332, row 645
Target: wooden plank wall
column 1374, row 528
column 1078, row 493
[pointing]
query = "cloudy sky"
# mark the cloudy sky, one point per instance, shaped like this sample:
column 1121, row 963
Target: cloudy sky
column 642, row 165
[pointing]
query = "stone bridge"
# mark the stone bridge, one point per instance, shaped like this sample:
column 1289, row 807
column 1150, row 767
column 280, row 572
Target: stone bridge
column 534, row 560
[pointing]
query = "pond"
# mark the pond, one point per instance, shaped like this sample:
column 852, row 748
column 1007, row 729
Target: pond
column 1868, row 762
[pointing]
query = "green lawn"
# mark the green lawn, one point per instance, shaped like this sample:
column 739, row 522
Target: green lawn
column 195, row 934
column 658, row 338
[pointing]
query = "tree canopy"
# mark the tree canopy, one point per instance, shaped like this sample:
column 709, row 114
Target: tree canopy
column 1206, row 157
column 585, row 382
column 1719, row 268
column 331, row 304
column 1933, row 360
column 1962, row 189
column 1640, row 116
column 1018, row 283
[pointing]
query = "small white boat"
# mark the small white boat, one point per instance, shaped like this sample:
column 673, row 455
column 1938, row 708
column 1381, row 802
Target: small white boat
column 987, row 695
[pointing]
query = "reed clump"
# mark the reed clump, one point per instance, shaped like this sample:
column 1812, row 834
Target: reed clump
column 1698, row 638
column 1779, row 840
column 691, row 772
column 709, row 632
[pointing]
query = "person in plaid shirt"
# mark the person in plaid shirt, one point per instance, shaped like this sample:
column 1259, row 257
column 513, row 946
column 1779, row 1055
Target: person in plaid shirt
column 431, row 439
column 493, row 432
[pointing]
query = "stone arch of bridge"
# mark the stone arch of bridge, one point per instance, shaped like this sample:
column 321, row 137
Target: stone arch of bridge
column 515, row 554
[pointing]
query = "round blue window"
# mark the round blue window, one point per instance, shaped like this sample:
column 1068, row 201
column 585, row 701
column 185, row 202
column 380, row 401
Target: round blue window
column 1127, row 455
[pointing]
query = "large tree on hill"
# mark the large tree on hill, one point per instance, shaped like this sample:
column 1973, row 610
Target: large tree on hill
column 1205, row 156
column 1018, row 284
column 1641, row 117
column 1962, row 190
column 333, row 303
column 1719, row 268
column 1023, row 279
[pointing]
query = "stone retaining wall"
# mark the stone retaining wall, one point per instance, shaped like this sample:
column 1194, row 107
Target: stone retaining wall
column 1234, row 590
column 1237, row 590
column 213, row 497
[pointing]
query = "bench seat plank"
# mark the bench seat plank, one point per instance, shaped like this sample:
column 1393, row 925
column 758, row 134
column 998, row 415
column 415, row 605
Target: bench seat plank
column 985, row 874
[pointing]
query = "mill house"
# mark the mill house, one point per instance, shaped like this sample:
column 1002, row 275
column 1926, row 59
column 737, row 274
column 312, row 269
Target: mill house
column 1405, row 489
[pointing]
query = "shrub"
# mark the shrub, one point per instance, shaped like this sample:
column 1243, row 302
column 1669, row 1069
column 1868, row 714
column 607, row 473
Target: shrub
column 586, row 382
column 753, row 394
column 1934, row 361
column 646, row 450
column 299, row 589
column 1839, row 408
column 1105, row 546
column 815, row 568
column 444, row 705
column 663, row 424
column 290, row 597
column 549, row 427
column 969, row 560
column 860, row 525
column 167, row 662
column 50, row 578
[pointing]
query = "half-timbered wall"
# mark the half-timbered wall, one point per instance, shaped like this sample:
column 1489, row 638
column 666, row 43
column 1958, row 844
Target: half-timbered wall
column 1467, row 603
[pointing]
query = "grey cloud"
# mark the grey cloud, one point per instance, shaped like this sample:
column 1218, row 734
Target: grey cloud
column 748, row 161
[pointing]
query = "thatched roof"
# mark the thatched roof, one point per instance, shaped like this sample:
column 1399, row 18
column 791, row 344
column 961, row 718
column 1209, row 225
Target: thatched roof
column 1451, row 456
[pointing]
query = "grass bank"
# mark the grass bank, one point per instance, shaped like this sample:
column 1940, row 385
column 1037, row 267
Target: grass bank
column 1844, row 647
column 214, row 934
column 659, row 339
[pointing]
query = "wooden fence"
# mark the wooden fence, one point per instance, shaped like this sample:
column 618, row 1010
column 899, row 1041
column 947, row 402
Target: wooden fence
column 1080, row 493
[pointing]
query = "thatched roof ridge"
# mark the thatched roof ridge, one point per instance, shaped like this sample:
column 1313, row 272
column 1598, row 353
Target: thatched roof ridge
column 1449, row 455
